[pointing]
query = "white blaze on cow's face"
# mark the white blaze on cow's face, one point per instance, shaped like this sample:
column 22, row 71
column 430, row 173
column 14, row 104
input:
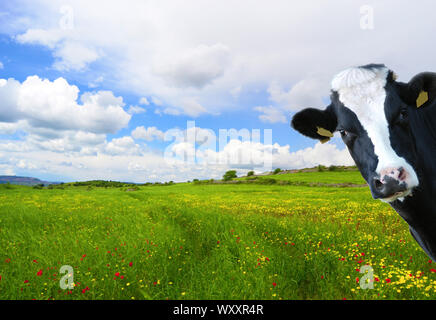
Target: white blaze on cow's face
column 362, row 90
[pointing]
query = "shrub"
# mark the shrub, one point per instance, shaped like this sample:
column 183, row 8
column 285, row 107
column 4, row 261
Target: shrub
column 229, row 175
column 7, row 186
column 250, row 173
column 278, row 170
column 267, row 181
column 321, row 168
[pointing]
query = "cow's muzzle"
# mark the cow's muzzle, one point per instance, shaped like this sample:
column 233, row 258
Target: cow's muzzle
column 390, row 185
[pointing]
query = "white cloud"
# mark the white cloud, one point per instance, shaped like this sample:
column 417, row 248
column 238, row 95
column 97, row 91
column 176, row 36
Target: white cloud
column 84, row 156
column 69, row 54
column 157, row 101
column 96, row 83
column 53, row 104
column 122, row 146
column 144, row 101
column 171, row 52
column 74, row 56
column 305, row 93
column 135, row 110
column 148, row 134
column 46, row 37
column 271, row 114
column 251, row 155
column 195, row 67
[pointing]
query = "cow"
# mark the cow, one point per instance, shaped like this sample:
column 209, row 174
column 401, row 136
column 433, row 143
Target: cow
column 389, row 129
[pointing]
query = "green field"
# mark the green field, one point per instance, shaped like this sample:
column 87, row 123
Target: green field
column 217, row 241
column 342, row 177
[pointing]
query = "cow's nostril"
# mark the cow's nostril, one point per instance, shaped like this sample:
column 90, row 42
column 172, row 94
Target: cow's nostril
column 378, row 184
column 402, row 174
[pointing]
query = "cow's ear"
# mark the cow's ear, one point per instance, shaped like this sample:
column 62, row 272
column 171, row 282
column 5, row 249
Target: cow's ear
column 316, row 123
column 420, row 91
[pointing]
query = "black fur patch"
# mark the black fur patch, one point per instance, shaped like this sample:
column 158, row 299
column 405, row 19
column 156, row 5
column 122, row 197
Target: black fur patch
column 307, row 121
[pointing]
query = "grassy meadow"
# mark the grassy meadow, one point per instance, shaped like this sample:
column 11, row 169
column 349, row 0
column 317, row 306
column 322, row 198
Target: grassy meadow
column 216, row 241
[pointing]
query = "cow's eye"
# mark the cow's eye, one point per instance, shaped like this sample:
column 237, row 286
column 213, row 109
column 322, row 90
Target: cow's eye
column 403, row 117
column 344, row 133
column 347, row 136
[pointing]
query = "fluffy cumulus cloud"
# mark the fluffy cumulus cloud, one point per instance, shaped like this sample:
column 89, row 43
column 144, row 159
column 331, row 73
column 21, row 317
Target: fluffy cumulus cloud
column 252, row 155
column 189, row 154
column 148, row 134
column 54, row 105
column 52, row 117
column 70, row 55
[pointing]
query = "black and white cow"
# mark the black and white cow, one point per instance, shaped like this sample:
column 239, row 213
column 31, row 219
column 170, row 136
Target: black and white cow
column 389, row 128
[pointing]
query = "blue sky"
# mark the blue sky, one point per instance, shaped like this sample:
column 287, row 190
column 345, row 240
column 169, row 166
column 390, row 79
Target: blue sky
column 89, row 90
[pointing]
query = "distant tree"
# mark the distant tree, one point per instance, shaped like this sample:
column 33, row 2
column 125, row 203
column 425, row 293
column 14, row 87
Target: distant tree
column 278, row 170
column 250, row 173
column 229, row 175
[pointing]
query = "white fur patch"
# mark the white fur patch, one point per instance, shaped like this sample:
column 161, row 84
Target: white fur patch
column 363, row 91
column 352, row 77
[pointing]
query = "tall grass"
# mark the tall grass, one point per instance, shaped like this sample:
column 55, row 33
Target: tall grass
column 207, row 242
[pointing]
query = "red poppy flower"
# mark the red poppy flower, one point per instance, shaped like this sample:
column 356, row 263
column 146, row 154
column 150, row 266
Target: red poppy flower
column 274, row 284
column 130, row 264
column 26, row 281
column 39, row 273
column 433, row 270
column 388, row 280
column 117, row 274
column 35, row 261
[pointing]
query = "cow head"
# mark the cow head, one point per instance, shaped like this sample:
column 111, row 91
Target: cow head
column 372, row 112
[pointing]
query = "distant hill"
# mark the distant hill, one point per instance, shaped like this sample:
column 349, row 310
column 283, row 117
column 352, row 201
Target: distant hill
column 23, row 181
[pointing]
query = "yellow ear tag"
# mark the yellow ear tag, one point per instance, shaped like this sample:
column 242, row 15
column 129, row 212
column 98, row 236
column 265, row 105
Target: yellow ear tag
column 325, row 140
column 324, row 132
column 422, row 98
